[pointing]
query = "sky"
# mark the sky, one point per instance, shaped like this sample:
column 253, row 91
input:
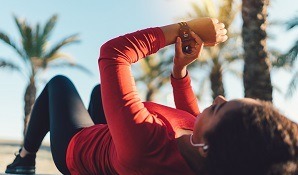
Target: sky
column 99, row 21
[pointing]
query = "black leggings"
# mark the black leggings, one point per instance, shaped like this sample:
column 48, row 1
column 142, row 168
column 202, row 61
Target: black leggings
column 60, row 110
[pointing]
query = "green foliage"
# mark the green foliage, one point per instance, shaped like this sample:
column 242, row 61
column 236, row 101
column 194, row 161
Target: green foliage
column 36, row 55
column 288, row 60
column 34, row 49
column 216, row 59
column 4, row 63
column 154, row 71
column 292, row 23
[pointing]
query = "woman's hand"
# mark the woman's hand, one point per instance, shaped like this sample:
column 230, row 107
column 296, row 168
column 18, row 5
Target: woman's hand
column 182, row 60
column 210, row 30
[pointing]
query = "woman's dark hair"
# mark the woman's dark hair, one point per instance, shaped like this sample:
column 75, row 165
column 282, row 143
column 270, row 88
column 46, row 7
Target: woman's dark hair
column 250, row 141
column 285, row 168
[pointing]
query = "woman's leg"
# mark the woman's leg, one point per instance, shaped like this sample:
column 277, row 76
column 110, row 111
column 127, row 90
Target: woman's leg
column 95, row 108
column 59, row 109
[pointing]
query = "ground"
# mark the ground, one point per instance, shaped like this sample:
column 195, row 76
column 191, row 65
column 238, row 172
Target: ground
column 44, row 161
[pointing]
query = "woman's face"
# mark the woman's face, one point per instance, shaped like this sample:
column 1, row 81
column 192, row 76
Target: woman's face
column 208, row 119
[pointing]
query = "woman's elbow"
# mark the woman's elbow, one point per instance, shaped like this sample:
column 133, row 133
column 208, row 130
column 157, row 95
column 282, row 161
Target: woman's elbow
column 106, row 49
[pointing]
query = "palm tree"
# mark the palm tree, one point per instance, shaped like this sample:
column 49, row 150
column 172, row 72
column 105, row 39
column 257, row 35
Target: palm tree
column 257, row 80
column 216, row 59
column 288, row 59
column 36, row 55
column 154, row 73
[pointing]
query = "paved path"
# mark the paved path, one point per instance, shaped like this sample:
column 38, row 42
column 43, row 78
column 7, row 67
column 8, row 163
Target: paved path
column 44, row 161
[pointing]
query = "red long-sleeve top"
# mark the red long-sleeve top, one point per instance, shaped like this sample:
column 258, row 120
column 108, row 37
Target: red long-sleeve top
column 139, row 137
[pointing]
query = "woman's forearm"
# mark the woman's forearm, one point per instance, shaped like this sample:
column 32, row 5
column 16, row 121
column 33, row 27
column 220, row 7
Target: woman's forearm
column 170, row 32
column 210, row 30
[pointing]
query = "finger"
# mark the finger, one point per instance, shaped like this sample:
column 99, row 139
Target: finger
column 214, row 20
column 199, row 48
column 196, row 51
column 221, row 38
column 178, row 46
column 225, row 38
column 193, row 54
column 220, row 26
column 222, row 32
column 198, row 40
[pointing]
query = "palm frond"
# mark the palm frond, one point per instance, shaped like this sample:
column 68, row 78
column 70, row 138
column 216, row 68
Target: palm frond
column 62, row 56
column 203, row 62
column 5, row 38
column 26, row 35
column 64, row 42
column 206, row 9
column 48, row 28
column 12, row 66
column 292, row 86
column 229, row 22
column 274, row 56
column 27, row 41
column 292, row 23
column 225, row 10
column 6, row 64
column 210, row 8
column 276, row 88
column 288, row 58
column 145, row 64
column 232, row 58
column 20, row 24
column 292, row 54
column 198, row 11
column 37, row 42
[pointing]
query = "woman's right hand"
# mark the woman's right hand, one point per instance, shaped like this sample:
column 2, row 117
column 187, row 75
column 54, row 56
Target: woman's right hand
column 182, row 60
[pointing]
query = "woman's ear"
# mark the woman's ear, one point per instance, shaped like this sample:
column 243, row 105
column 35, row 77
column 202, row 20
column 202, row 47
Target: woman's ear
column 203, row 151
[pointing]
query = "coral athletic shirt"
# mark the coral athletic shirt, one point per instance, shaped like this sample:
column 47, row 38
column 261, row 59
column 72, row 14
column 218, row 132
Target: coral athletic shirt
column 139, row 137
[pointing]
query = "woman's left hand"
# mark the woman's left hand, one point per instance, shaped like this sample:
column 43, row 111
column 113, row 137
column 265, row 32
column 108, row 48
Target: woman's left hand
column 182, row 60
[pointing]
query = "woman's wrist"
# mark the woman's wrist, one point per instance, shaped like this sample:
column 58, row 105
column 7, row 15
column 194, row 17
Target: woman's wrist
column 204, row 27
column 179, row 72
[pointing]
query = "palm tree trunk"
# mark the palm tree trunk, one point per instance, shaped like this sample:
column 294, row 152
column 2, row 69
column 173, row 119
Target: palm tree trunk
column 29, row 98
column 149, row 95
column 216, row 81
column 256, row 77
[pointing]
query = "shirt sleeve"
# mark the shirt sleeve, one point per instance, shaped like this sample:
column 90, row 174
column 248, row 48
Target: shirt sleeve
column 184, row 97
column 131, row 125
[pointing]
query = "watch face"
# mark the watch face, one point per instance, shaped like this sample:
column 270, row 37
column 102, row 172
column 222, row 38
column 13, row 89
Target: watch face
column 184, row 34
column 186, row 47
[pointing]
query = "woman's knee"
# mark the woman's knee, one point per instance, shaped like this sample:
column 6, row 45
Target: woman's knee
column 96, row 91
column 59, row 80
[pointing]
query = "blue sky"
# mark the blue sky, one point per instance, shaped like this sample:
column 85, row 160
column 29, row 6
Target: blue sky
column 99, row 21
